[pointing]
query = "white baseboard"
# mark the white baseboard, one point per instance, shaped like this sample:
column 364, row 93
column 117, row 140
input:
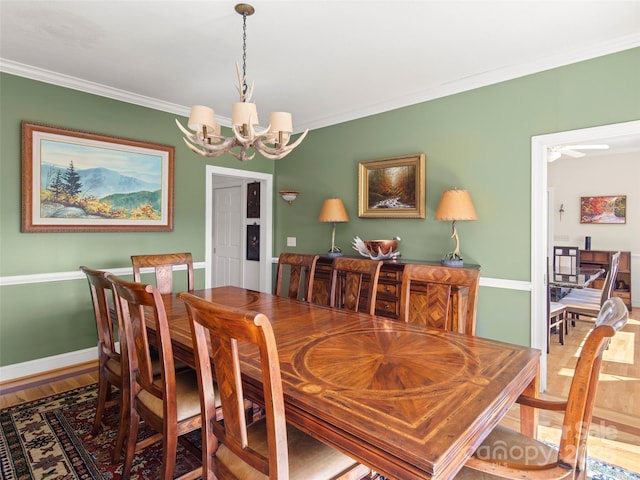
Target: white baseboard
column 41, row 365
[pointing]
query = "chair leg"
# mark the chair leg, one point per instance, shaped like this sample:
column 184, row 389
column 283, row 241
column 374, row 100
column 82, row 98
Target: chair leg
column 132, row 435
column 103, row 393
column 169, row 446
column 561, row 328
column 123, row 427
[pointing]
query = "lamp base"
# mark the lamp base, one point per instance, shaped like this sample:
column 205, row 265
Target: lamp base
column 451, row 263
column 332, row 253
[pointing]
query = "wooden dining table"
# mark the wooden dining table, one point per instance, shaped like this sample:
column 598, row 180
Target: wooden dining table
column 407, row 401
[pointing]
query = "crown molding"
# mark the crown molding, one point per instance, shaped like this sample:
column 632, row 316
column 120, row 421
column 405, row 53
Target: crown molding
column 479, row 80
column 62, row 80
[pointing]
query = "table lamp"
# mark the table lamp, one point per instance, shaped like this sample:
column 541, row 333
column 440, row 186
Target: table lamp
column 333, row 211
column 455, row 205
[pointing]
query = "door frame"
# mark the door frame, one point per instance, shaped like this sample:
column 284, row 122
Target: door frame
column 266, row 220
column 540, row 145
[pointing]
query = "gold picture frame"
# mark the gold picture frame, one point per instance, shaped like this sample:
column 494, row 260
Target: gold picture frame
column 392, row 187
column 74, row 181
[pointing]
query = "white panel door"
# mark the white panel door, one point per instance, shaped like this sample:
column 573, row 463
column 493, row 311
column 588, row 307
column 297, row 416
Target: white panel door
column 227, row 234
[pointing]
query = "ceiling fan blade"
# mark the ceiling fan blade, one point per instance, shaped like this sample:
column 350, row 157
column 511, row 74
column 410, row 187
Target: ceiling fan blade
column 572, row 153
column 586, row 147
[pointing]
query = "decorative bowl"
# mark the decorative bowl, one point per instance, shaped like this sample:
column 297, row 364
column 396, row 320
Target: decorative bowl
column 385, row 247
column 377, row 249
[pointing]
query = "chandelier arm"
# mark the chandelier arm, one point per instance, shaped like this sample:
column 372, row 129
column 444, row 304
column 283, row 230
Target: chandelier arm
column 211, row 150
column 201, row 152
column 267, row 152
column 298, row 141
column 227, row 144
column 186, row 132
column 284, row 148
column 270, row 152
column 242, row 155
column 241, row 139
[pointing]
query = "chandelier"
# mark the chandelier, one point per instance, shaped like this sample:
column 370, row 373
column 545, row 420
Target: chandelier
column 272, row 142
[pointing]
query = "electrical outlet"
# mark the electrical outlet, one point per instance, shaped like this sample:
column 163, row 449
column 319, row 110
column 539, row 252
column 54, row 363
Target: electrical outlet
column 291, row 241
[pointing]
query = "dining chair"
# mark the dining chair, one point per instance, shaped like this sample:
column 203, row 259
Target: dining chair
column 439, row 297
column 168, row 403
column 354, row 284
column 270, row 447
column 566, row 259
column 109, row 359
column 556, row 313
column 595, row 294
column 578, row 305
column 301, row 269
column 506, row 453
column 163, row 265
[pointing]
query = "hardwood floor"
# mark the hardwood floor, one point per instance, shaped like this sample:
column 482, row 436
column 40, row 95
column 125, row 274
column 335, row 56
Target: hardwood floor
column 615, row 434
column 49, row 383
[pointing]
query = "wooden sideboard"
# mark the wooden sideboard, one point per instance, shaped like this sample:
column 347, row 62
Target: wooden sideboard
column 602, row 259
column 449, row 292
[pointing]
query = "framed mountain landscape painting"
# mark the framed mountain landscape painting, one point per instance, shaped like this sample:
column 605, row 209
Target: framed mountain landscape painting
column 76, row 181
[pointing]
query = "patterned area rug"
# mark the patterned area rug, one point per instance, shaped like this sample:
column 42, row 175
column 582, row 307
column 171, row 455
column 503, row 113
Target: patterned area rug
column 50, row 439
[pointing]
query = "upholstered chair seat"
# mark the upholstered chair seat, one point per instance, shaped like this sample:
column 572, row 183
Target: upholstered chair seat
column 308, row 458
column 510, row 447
column 188, row 398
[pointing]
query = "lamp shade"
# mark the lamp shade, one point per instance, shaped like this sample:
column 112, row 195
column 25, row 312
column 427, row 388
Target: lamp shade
column 456, row 205
column 202, row 117
column 244, row 113
column 333, row 211
column 281, row 122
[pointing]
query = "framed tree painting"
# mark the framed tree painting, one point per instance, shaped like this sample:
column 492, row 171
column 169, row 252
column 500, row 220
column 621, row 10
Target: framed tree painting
column 75, row 181
column 392, row 187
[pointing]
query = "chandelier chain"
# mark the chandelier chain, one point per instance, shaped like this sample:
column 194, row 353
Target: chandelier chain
column 244, row 55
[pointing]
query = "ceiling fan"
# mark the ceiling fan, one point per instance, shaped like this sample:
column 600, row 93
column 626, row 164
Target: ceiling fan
column 572, row 150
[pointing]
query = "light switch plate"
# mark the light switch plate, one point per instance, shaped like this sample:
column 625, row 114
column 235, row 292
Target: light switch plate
column 291, row 241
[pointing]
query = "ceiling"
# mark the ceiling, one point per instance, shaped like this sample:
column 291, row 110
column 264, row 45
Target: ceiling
column 325, row 61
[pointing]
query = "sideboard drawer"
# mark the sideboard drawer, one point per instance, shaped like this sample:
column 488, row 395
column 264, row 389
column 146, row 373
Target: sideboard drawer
column 387, row 308
column 392, row 289
column 390, row 275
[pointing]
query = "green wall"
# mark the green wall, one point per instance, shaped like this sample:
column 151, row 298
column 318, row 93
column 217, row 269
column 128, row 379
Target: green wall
column 44, row 319
column 477, row 140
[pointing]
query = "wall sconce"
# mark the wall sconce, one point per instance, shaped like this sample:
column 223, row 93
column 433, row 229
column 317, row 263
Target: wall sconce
column 289, row 195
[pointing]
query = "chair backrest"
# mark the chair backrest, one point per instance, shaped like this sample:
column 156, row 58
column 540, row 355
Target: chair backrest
column 579, row 408
column 302, row 269
column 217, row 332
column 163, row 265
column 440, row 297
column 102, row 296
column 566, row 260
column 354, row 280
column 135, row 303
column 610, row 279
